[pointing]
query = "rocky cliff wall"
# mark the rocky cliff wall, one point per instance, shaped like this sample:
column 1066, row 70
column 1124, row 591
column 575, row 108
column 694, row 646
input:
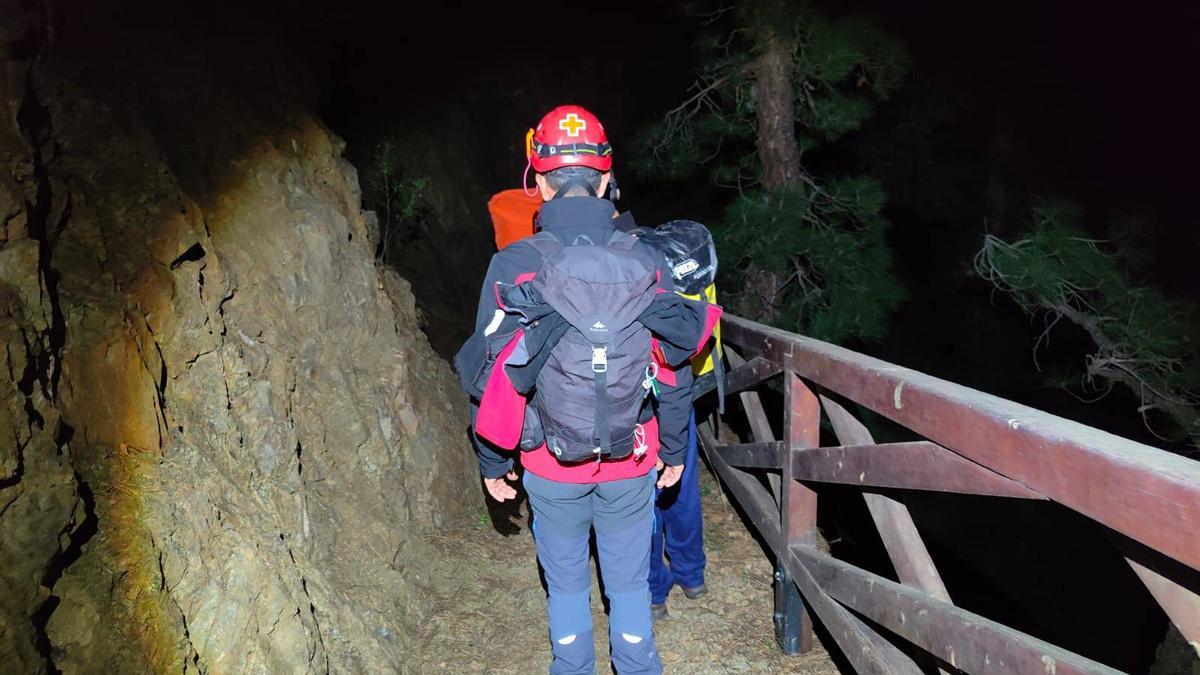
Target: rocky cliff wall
column 227, row 435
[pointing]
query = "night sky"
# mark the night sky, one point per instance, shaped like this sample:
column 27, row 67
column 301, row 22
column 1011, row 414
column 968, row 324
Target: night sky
column 1102, row 96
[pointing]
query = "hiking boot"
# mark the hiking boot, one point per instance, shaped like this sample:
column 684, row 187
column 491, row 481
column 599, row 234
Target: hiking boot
column 694, row 592
column 658, row 612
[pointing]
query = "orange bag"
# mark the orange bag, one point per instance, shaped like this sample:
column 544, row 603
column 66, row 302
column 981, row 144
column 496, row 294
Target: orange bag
column 512, row 215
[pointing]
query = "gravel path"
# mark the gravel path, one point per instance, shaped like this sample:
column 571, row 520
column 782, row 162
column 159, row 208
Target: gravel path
column 494, row 620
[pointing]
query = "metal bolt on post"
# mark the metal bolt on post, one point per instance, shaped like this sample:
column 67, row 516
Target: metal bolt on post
column 789, row 613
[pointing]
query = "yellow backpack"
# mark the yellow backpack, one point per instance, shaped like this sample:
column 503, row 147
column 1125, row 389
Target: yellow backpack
column 705, row 362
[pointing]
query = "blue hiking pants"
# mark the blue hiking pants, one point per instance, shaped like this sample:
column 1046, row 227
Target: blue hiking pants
column 620, row 512
column 679, row 530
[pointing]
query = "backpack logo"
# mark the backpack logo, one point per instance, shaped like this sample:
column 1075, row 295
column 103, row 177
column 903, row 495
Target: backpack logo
column 598, row 331
column 686, row 267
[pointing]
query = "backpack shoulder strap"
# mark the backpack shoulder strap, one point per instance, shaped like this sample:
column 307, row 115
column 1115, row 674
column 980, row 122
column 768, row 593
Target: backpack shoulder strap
column 545, row 243
column 622, row 241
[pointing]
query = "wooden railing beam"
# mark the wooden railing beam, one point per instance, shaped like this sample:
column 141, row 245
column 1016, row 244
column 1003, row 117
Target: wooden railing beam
column 914, row 465
column 1180, row 604
column 903, row 542
column 756, row 415
column 753, row 455
column 962, row 639
column 752, row 373
column 747, row 491
column 1175, row 586
column 965, row 640
column 1143, row 492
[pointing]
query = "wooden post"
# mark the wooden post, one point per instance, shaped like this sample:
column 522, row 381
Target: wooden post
column 867, row 651
column 798, row 514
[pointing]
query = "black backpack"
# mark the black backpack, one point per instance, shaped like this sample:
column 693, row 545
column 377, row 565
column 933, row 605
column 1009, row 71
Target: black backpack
column 592, row 393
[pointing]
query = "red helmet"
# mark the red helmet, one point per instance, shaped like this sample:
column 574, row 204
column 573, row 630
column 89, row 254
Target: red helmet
column 568, row 136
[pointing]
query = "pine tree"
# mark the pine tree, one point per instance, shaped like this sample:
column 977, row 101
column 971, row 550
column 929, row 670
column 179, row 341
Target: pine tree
column 1143, row 339
column 778, row 81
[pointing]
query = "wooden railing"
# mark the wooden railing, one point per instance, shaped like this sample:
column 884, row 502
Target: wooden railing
column 975, row 444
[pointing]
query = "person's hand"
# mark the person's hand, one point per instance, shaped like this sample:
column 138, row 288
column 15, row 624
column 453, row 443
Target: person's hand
column 670, row 474
column 499, row 488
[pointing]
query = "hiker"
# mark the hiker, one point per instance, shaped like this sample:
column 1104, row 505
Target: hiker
column 678, row 525
column 514, row 213
column 580, row 359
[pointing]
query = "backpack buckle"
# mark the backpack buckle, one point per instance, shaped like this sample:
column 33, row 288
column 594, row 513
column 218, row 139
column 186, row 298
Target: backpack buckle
column 599, row 359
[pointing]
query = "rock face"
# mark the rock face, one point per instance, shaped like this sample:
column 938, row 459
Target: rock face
column 228, row 436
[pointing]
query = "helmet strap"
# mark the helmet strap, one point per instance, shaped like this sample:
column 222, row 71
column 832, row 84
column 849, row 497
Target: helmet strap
column 573, row 183
column 525, row 179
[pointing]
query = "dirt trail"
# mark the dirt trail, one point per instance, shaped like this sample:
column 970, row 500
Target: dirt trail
column 494, row 621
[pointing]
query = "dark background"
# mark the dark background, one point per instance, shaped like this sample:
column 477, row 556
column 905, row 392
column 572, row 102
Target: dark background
column 1093, row 101
column 1100, row 97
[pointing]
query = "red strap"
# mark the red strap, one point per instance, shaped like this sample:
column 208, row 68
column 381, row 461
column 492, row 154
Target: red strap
column 712, row 316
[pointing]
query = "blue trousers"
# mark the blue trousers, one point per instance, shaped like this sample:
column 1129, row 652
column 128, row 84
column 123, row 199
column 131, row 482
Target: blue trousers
column 679, row 530
column 563, row 516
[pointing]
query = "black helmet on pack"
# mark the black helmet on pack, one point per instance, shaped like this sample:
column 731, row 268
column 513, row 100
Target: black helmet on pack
column 688, row 247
